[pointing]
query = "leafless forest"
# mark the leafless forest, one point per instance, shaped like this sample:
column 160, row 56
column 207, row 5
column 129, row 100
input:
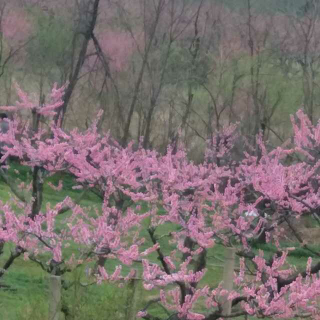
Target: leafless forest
column 165, row 71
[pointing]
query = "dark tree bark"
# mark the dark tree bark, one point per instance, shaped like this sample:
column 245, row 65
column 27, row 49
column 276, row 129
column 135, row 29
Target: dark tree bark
column 90, row 14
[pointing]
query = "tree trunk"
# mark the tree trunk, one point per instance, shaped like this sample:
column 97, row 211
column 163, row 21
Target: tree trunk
column 74, row 76
column 228, row 278
column 136, row 91
column 54, row 297
column 133, row 297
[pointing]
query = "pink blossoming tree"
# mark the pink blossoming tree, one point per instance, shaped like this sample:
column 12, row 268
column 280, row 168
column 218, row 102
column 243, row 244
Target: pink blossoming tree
column 143, row 193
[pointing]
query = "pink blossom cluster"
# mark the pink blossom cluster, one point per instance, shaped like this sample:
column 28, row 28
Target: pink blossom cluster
column 143, row 192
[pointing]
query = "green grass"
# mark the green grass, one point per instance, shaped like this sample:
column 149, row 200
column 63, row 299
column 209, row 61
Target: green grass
column 27, row 293
column 27, row 296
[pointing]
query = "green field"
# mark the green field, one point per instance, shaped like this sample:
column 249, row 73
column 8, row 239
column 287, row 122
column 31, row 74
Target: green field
column 24, row 288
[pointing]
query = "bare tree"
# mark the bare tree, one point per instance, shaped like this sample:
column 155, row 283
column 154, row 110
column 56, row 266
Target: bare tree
column 88, row 13
column 306, row 43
